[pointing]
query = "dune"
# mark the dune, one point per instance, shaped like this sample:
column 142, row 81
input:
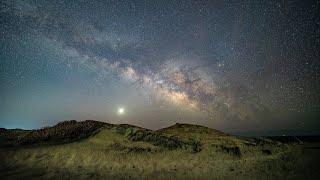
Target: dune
column 98, row 150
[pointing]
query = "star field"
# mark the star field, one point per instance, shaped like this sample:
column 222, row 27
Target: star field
column 236, row 66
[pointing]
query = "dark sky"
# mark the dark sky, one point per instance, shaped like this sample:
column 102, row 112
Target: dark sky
column 237, row 66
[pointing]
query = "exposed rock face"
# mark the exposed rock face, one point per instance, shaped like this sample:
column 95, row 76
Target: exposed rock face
column 157, row 139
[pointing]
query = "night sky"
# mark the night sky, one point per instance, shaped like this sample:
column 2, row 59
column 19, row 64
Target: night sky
column 236, row 66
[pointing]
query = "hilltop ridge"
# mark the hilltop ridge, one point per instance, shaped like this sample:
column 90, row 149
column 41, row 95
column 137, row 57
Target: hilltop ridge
column 99, row 150
column 72, row 130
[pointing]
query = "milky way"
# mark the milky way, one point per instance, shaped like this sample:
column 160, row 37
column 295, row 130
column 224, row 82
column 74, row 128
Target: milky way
column 237, row 66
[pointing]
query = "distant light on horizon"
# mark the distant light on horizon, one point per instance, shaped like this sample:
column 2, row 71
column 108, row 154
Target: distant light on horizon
column 121, row 111
column 223, row 65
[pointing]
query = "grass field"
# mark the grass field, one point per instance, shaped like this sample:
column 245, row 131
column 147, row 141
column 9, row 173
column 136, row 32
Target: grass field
column 179, row 152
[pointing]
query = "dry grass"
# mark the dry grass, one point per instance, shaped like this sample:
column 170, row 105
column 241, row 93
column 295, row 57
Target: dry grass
column 114, row 153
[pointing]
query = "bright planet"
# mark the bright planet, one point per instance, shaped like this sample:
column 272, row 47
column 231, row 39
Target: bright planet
column 159, row 89
column 120, row 111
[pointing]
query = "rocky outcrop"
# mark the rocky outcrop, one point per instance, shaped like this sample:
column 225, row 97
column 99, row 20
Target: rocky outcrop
column 158, row 139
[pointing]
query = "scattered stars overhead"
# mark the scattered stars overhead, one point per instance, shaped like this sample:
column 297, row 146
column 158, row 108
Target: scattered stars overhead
column 222, row 64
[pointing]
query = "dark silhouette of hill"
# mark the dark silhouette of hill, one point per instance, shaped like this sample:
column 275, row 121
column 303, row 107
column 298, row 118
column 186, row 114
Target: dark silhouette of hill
column 188, row 129
column 98, row 150
column 175, row 136
column 63, row 132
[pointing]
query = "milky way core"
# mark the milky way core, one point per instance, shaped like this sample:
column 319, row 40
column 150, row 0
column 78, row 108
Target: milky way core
column 232, row 65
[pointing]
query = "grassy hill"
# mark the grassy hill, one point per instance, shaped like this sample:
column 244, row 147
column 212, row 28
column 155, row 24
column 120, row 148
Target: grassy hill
column 92, row 149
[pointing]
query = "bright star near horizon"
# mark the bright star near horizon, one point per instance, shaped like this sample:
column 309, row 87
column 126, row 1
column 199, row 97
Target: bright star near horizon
column 147, row 62
column 120, row 111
